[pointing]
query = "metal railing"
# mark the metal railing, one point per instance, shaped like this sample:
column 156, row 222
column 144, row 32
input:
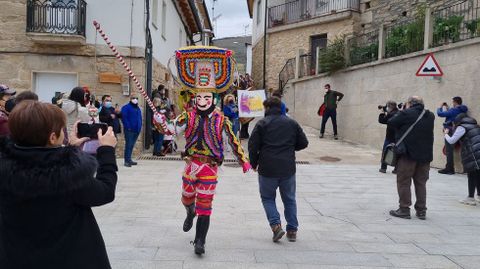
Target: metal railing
column 363, row 48
column 57, row 16
column 302, row 10
column 457, row 22
column 287, row 73
column 404, row 37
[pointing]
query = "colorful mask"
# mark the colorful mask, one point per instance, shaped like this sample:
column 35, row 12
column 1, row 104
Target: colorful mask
column 204, row 101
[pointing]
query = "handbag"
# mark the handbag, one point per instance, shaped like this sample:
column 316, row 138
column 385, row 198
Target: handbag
column 321, row 110
column 392, row 151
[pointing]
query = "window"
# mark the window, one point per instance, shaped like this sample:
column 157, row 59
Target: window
column 155, row 14
column 259, row 11
column 164, row 20
column 367, row 5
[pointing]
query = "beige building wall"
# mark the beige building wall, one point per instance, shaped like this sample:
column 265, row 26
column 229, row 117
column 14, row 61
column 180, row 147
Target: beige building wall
column 21, row 57
column 257, row 64
column 283, row 43
column 365, row 87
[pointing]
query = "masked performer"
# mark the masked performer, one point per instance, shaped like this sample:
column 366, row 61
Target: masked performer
column 206, row 71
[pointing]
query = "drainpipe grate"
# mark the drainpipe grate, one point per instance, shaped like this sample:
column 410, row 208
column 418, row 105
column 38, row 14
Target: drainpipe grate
column 230, row 162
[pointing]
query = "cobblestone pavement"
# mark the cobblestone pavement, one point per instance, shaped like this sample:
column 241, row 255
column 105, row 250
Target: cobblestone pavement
column 343, row 205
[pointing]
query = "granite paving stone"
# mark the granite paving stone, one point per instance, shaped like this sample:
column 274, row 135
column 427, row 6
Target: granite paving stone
column 342, row 210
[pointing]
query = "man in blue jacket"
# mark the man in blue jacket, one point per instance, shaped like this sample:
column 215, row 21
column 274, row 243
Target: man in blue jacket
column 450, row 114
column 132, row 125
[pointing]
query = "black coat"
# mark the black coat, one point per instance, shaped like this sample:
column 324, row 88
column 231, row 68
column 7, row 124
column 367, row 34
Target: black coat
column 273, row 143
column 419, row 142
column 46, row 195
column 105, row 116
column 383, row 119
column 470, row 145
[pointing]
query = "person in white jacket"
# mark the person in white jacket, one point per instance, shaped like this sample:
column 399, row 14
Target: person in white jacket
column 77, row 108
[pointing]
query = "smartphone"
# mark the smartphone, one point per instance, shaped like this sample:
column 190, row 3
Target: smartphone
column 91, row 130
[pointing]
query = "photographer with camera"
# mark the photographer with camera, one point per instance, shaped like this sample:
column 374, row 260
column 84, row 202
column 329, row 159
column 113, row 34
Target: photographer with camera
column 388, row 111
column 450, row 114
column 414, row 126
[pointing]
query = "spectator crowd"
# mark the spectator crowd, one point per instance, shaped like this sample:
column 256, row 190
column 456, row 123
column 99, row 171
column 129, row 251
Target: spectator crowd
column 52, row 218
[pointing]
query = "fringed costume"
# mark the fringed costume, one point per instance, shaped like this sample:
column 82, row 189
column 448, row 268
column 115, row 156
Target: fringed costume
column 205, row 71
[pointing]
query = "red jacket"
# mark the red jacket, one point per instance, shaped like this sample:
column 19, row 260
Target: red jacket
column 4, row 131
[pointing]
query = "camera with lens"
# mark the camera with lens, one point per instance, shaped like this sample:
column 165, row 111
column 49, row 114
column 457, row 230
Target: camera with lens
column 384, row 107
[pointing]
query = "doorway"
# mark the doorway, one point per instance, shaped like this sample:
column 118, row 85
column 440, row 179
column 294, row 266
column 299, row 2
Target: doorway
column 316, row 41
column 46, row 84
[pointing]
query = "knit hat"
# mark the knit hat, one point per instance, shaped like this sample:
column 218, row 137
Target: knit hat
column 4, row 89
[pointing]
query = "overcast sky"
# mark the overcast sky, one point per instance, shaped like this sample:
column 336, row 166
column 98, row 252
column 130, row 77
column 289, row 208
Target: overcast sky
column 233, row 19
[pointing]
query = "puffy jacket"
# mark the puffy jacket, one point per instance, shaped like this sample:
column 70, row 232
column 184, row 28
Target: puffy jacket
column 470, row 145
column 419, row 142
column 75, row 112
column 273, row 143
column 46, row 195
column 132, row 118
column 451, row 114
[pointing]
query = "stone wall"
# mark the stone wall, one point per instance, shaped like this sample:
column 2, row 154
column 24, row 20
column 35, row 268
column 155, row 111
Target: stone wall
column 365, row 87
column 257, row 66
column 283, row 45
column 388, row 11
column 20, row 57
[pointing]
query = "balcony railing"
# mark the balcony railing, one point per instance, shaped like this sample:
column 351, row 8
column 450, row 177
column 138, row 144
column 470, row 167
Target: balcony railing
column 57, row 16
column 302, row 10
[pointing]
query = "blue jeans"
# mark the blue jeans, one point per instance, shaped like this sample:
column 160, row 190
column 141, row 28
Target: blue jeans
column 268, row 191
column 157, row 142
column 130, row 140
column 236, row 126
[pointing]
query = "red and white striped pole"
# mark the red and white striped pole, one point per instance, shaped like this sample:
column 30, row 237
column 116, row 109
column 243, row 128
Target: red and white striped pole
column 130, row 73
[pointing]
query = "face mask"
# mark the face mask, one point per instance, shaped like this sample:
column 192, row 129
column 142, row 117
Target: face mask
column 231, row 102
column 108, row 104
column 134, row 101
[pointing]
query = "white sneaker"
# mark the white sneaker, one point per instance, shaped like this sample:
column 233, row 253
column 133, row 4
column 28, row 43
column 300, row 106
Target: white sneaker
column 478, row 198
column 469, row 201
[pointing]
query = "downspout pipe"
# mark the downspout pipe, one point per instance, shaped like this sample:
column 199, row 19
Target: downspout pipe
column 265, row 46
column 149, row 76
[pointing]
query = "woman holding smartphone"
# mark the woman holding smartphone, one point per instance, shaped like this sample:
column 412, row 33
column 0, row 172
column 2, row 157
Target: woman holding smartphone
column 47, row 191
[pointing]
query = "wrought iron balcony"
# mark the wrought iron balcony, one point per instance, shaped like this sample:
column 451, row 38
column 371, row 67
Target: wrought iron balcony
column 303, row 10
column 57, row 17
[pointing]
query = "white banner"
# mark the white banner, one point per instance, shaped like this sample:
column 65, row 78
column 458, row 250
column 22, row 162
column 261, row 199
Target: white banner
column 250, row 103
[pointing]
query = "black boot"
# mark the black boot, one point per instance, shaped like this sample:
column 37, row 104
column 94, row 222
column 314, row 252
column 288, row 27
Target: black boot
column 402, row 212
column 188, row 223
column 203, row 222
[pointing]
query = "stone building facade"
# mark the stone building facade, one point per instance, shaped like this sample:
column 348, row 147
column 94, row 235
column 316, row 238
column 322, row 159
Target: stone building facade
column 26, row 56
column 284, row 41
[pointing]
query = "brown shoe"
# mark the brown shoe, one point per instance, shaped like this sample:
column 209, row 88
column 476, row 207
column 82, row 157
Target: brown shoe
column 292, row 236
column 278, row 232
